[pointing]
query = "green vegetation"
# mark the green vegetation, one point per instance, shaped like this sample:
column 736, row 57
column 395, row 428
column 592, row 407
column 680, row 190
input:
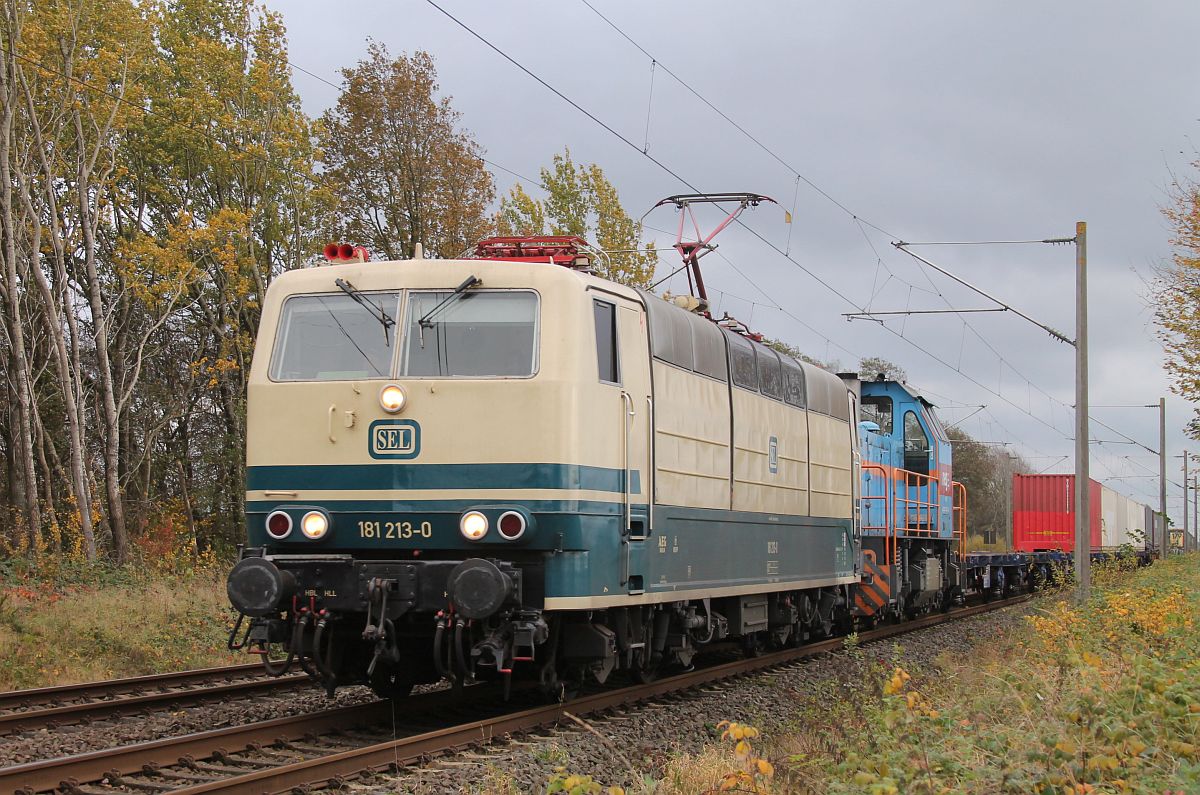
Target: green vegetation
column 1103, row 698
column 84, row 622
column 581, row 201
column 1177, row 299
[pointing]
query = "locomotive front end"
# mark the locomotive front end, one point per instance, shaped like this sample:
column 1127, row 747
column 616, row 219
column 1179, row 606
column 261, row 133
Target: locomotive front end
column 410, row 465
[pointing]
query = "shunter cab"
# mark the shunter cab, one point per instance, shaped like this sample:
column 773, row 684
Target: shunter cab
column 912, row 512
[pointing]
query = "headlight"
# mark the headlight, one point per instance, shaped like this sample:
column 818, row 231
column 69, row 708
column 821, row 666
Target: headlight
column 314, row 525
column 392, row 398
column 473, row 525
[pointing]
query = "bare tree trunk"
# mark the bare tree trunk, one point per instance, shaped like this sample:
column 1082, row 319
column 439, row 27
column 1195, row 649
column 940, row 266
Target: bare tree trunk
column 89, row 220
column 23, row 435
column 56, row 307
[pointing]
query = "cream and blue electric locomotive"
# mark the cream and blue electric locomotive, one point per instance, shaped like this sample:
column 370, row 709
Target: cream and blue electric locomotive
column 504, row 465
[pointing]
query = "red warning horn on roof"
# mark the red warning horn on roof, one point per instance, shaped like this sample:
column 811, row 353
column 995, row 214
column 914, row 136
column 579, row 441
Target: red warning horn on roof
column 341, row 253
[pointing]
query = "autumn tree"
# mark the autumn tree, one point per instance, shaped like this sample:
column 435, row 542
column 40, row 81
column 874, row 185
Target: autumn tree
column 405, row 170
column 581, row 201
column 987, row 472
column 871, row 368
column 223, row 167
column 1177, row 310
column 157, row 173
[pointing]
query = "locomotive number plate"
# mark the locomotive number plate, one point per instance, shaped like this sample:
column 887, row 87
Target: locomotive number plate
column 398, row 531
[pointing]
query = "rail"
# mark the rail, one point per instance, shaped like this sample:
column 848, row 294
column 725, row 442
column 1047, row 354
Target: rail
column 23, row 710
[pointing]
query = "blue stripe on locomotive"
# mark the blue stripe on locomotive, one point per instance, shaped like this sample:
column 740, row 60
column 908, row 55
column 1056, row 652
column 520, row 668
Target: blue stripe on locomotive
column 687, row 548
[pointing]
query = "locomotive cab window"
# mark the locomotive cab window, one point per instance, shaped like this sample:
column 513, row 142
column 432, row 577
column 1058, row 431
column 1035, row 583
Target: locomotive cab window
column 333, row 338
column 878, row 409
column 606, row 342
column 916, row 445
column 476, row 334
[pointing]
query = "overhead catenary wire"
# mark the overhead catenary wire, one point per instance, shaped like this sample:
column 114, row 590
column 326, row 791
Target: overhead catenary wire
column 668, row 170
column 858, row 219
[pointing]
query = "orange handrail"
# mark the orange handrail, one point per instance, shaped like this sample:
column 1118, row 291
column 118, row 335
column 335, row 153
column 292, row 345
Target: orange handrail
column 888, row 526
column 960, row 518
column 917, row 505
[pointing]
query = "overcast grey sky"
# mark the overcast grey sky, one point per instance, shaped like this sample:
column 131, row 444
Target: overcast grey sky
column 932, row 121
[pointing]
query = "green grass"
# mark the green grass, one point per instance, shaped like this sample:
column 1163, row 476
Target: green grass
column 1099, row 698
column 1103, row 698
column 82, row 626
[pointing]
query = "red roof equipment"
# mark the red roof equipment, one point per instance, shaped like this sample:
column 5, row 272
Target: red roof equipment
column 567, row 250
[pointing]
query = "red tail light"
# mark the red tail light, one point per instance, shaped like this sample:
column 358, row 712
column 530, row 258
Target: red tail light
column 511, row 525
column 279, row 525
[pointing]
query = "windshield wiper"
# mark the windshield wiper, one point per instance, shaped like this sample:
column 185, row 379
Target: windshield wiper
column 426, row 320
column 376, row 312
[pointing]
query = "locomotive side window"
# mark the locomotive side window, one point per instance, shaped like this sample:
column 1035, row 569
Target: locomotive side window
column 878, row 409
column 670, row 332
column 333, row 338
column 769, row 376
column 709, row 348
column 606, row 341
column 793, row 382
column 476, row 335
column 741, row 361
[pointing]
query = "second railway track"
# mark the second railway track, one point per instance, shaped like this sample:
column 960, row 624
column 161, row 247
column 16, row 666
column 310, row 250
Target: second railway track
column 24, row 710
column 323, row 747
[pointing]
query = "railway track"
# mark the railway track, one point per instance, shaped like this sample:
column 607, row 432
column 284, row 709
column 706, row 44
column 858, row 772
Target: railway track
column 49, row 707
column 318, row 749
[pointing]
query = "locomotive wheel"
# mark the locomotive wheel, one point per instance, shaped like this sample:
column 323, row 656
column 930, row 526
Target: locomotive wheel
column 644, row 676
column 754, row 644
column 389, row 683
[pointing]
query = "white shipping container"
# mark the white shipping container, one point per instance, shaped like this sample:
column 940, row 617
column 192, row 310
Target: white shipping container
column 1122, row 521
column 1136, row 524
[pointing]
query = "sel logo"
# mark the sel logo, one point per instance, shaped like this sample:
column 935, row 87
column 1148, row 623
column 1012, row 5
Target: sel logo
column 394, row 439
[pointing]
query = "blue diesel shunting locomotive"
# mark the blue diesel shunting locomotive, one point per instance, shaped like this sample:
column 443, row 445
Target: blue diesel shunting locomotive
column 911, row 512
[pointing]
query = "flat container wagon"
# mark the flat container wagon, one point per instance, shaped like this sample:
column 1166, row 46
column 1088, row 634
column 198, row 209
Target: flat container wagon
column 1044, row 513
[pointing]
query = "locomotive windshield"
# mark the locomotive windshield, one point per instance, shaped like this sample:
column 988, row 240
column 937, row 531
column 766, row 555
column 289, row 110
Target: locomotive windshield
column 482, row 334
column 331, row 338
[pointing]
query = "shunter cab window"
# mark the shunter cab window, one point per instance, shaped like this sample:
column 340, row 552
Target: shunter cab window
column 333, row 338
column 878, row 409
column 475, row 335
column 916, row 445
column 606, row 341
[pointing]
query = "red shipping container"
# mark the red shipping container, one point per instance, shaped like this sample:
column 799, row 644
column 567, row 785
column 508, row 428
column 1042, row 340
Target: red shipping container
column 1044, row 512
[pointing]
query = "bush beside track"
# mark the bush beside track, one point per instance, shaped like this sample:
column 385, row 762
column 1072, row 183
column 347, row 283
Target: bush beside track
column 81, row 626
column 1101, row 698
